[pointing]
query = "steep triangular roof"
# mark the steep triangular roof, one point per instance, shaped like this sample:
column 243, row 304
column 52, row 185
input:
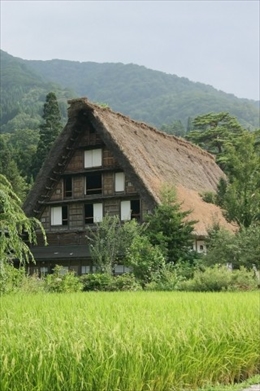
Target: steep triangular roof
column 150, row 157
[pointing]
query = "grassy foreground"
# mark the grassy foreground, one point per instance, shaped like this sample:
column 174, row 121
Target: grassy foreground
column 128, row 341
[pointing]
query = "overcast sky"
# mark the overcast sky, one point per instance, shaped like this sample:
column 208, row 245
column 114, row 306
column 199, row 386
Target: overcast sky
column 213, row 42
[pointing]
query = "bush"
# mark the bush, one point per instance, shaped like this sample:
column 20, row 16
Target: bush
column 166, row 280
column 61, row 281
column 106, row 282
column 32, row 284
column 220, row 278
column 96, row 282
column 144, row 259
column 126, row 282
column 11, row 278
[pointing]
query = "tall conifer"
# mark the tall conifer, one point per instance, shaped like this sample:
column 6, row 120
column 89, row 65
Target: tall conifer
column 49, row 130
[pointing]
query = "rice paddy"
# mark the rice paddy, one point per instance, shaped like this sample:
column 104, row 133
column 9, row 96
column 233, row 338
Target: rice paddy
column 128, row 341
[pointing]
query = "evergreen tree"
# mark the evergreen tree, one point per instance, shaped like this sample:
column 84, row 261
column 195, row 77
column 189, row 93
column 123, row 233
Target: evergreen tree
column 49, row 130
column 213, row 131
column 169, row 229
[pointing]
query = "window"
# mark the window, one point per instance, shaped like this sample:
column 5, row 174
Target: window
column 43, row 271
column 85, row 269
column 59, row 215
column 93, row 158
column 120, row 181
column 67, row 186
column 130, row 210
column 93, row 184
column 93, row 213
column 120, row 269
column 125, row 210
column 135, row 209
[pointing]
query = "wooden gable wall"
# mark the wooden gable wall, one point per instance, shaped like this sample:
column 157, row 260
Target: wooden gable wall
column 76, row 201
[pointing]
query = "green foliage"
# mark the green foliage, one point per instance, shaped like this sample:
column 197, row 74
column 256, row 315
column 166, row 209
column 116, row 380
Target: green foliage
column 240, row 249
column 96, row 282
column 49, row 130
column 126, row 282
column 14, row 226
column 143, row 94
column 213, row 131
column 220, row 278
column 176, row 128
column 241, row 198
column 11, row 278
column 108, row 283
column 166, row 279
column 110, row 240
column 209, row 197
column 9, row 168
column 62, row 281
column 169, row 229
column 144, row 259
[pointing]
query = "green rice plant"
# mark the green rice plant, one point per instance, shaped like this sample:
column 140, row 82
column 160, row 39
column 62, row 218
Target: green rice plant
column 128, row 341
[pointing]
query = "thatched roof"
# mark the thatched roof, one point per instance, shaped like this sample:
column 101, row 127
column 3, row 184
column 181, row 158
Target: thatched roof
column 151, row 158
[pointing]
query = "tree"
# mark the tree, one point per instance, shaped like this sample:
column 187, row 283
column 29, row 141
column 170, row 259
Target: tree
column 110, row 241
column 9, row 169
column 13, row 226
column 240, row 195
column 239, row 249
column 144, row 259
column 176, row 128
column 169, row 229
column 214, row 131
column 49, row 130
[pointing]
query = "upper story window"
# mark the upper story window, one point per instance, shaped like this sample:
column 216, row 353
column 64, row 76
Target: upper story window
column 93, row 158
column 59, row 215
column 119, row 181
column 93, row 184
column 67, row 187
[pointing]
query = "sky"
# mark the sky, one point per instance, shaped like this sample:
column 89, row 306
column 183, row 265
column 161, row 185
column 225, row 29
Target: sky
column 207, row 41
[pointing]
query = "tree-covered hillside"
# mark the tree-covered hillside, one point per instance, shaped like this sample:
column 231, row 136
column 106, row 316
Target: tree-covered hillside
column 144, row 94
column 23, row 93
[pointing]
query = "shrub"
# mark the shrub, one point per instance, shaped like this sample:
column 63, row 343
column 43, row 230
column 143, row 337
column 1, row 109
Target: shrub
column 243, row 280
column 166, row 280
column 126, row 282
column 220, row 278
column 11, row 278
column 32, row 284
column 96, row 282
column 61, row 281
column 144, row 259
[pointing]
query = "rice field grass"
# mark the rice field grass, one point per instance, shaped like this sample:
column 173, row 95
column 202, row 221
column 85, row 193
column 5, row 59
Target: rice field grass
column 128, row 341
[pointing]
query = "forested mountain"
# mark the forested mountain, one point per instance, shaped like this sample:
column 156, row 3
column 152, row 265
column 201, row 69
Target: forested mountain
column 144, row 94
column 23, row 93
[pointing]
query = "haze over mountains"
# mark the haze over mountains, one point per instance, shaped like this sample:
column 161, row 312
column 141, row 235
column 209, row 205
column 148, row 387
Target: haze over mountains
column 143, row 94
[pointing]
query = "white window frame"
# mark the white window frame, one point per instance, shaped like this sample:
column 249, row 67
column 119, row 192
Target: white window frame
column 56, row 215
column 85, row 269
column 93, row 158
column 97, row 213
column 119, row 181
column 125, row 207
